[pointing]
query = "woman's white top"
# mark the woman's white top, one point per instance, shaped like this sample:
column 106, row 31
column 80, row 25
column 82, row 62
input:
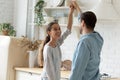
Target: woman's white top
column 52, row 59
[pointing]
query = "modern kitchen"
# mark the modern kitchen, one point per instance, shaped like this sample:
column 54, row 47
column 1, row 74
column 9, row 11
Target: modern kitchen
column 20, row 48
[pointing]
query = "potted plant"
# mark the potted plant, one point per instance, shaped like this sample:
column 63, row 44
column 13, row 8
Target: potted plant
column 7, row 29
column 29, row 44
column 31, row 47
column 39, row 12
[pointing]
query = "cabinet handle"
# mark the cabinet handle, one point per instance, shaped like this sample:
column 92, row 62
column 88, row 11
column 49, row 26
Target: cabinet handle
column 30, row 73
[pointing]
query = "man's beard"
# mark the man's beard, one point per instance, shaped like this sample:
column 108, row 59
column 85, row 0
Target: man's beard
column 80, row 30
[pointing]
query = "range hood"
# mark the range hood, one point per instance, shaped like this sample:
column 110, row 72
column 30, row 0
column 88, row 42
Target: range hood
column 106, row 11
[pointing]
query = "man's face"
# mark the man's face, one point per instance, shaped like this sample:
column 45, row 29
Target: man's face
column 81, row 26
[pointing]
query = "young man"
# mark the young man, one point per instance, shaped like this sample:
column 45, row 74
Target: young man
column 86, row 59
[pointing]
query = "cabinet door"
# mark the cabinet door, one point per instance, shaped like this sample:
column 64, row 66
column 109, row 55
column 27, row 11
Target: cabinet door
column 27, row 76
column 35, row 77
column 23, row 75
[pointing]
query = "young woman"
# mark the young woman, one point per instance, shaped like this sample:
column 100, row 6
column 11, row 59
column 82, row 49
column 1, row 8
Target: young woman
column 51, row 51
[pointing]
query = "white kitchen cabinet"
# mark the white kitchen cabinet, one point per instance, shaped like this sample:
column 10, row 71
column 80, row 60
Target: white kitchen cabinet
column 34, row 74
column 21, row 75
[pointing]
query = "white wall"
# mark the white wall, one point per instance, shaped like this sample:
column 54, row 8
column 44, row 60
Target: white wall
column 69, row 44
column 110, row 54
column 14, row 12
column 20, row 16
column 6, row 11
column 116, row 4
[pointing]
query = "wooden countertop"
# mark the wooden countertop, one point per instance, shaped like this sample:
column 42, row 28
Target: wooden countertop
column 115, row 79
column 64, row 74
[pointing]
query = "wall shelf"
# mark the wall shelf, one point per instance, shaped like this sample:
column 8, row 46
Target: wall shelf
column 56, row 8
column 56, row 11
column 64, row 25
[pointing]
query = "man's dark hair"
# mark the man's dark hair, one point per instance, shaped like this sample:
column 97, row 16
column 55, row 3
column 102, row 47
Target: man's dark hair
column 89, row 19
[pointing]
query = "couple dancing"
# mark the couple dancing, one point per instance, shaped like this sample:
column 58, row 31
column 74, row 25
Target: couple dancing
column 86, row 59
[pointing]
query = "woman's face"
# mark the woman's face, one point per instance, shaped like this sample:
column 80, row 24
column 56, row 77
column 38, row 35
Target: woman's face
column 55, row 32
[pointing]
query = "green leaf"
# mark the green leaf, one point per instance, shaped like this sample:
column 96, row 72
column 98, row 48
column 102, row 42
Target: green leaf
column 8, row 27
column 39, row 12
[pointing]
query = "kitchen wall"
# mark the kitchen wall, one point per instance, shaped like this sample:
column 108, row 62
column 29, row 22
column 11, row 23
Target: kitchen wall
column 6, row 11
column 116, row 4
column 14, row 12
column 70, row 43
column 20, row 17
column 110, row 53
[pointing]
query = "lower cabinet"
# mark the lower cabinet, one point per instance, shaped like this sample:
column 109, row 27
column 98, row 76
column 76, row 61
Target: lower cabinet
column 20, row 75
